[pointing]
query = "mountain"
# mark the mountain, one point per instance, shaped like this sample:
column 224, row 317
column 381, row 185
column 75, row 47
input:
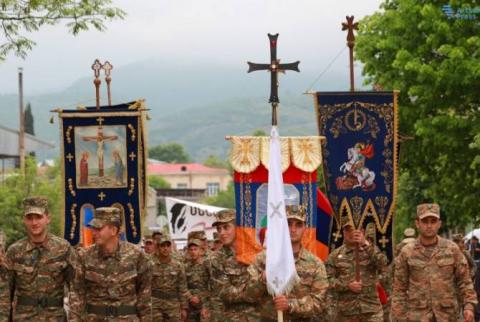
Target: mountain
column 195, row 105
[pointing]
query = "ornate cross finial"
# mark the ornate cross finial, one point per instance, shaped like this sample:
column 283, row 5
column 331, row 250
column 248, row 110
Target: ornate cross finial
column 351, row 26
column 96, row 67
column 107, row 67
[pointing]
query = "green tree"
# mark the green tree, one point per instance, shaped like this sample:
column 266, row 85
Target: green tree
column 169, row 152
column 434, row 61
column 215, row 162
column 18, row 18
column 224, row 199
column 158, row 182
column 259, row 132
column 28, row 119
column 16, row 187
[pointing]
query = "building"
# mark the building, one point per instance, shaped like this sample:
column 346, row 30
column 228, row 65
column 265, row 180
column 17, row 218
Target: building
column 192, row 176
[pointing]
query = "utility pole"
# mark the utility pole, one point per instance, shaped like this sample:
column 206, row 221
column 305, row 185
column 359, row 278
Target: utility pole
column 21, row 136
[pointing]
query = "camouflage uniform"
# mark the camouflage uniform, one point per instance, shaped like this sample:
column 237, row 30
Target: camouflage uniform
column 458, row 239
column 229, row 280
column 37, row 276
column 169, row 288
column 198, row 279
column 428, row 280
column 115, row 287
column 364, row 306
column 306, row 300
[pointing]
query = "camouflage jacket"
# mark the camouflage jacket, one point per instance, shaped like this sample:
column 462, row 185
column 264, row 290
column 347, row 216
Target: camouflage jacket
column 169, row 286
column 307, row 299
column 198, row 280
column 229, row 281
column 429, row 280
column 341, row 271
column 39, row 273
column 121, row 279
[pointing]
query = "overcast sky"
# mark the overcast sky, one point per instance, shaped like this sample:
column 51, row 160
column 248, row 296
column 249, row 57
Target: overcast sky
column 226, row 32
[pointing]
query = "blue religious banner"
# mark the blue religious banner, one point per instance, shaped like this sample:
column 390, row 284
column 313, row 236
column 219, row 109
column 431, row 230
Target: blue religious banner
column 103, row 164
column 360, row 161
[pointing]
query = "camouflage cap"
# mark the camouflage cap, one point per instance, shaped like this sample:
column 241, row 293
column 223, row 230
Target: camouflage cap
column 346, row 221
column 428, row 210
column 197, row 234
column 457, row 237
column 164, row 239
column 297, row 212
column 409, row 232
column 224, row 216
column 104, row 216
column 148, row 238
column 194, row 241
column 35, row 205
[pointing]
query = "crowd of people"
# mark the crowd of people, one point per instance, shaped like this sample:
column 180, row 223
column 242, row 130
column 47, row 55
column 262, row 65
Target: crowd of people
column 43, row 278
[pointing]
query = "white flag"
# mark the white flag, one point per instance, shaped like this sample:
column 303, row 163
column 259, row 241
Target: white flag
column 280, row 263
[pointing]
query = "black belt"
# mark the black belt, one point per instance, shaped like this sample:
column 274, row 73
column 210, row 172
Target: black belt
column 41, row 301
column 162, row 295
column 111, row 310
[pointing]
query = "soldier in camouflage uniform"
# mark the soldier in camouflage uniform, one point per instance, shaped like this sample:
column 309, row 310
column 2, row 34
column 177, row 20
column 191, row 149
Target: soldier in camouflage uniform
column 202, row 237
column 169, row 285
column 356, row 300
column 217, row 243
column 307, row 299
column 198, row 279
column 148, row 244
column 458, row 239
column 36, row 271
column 116, row 275
column 230, row 277
column 430, row 274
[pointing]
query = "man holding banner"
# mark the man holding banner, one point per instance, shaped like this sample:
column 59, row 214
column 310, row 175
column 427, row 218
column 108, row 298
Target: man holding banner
column 229, row 276
column 307, row 299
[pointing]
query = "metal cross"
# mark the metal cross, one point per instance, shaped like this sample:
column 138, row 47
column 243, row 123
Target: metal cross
column 350, row 26
column 102, row 196
column 276, row 210
column 97, row 66
column 384, row 241
column 274, row 68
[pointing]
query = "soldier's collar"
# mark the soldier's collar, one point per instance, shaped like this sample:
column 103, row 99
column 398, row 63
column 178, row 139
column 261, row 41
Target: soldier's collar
column 302, row 254
column 45, row 244
column 115, row 255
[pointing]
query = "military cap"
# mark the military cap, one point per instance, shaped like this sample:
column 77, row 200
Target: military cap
column 428, row 210
column 164, row 239
column 35, row 205
column 409, row 233
column 148, row 238
column 194, row 241
column 346, row 221
column 104, row 216
column 224, row 216
column 197, row 234
column 215, row 236
column 297, row 212
column 457, row 238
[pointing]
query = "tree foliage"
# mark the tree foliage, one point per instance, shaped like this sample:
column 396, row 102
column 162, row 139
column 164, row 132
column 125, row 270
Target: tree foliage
column 28, row 119
column 16, row 187
column 169, row 152
column 215, row 162
column 18, row 18
column 224, row 199
column 434, row 61
column 158, row 182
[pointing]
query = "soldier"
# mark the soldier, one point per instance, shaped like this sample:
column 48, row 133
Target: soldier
column 217, row 244
column 429, row 275
column 200, row 235
column 198, row 279
column 356, row 300
column 408, row 237
column 458, row 239
column 36, row 271
column 149, row 245
column 169, row 285
column 307, row 299
column 230, row 277
column 116, row 275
